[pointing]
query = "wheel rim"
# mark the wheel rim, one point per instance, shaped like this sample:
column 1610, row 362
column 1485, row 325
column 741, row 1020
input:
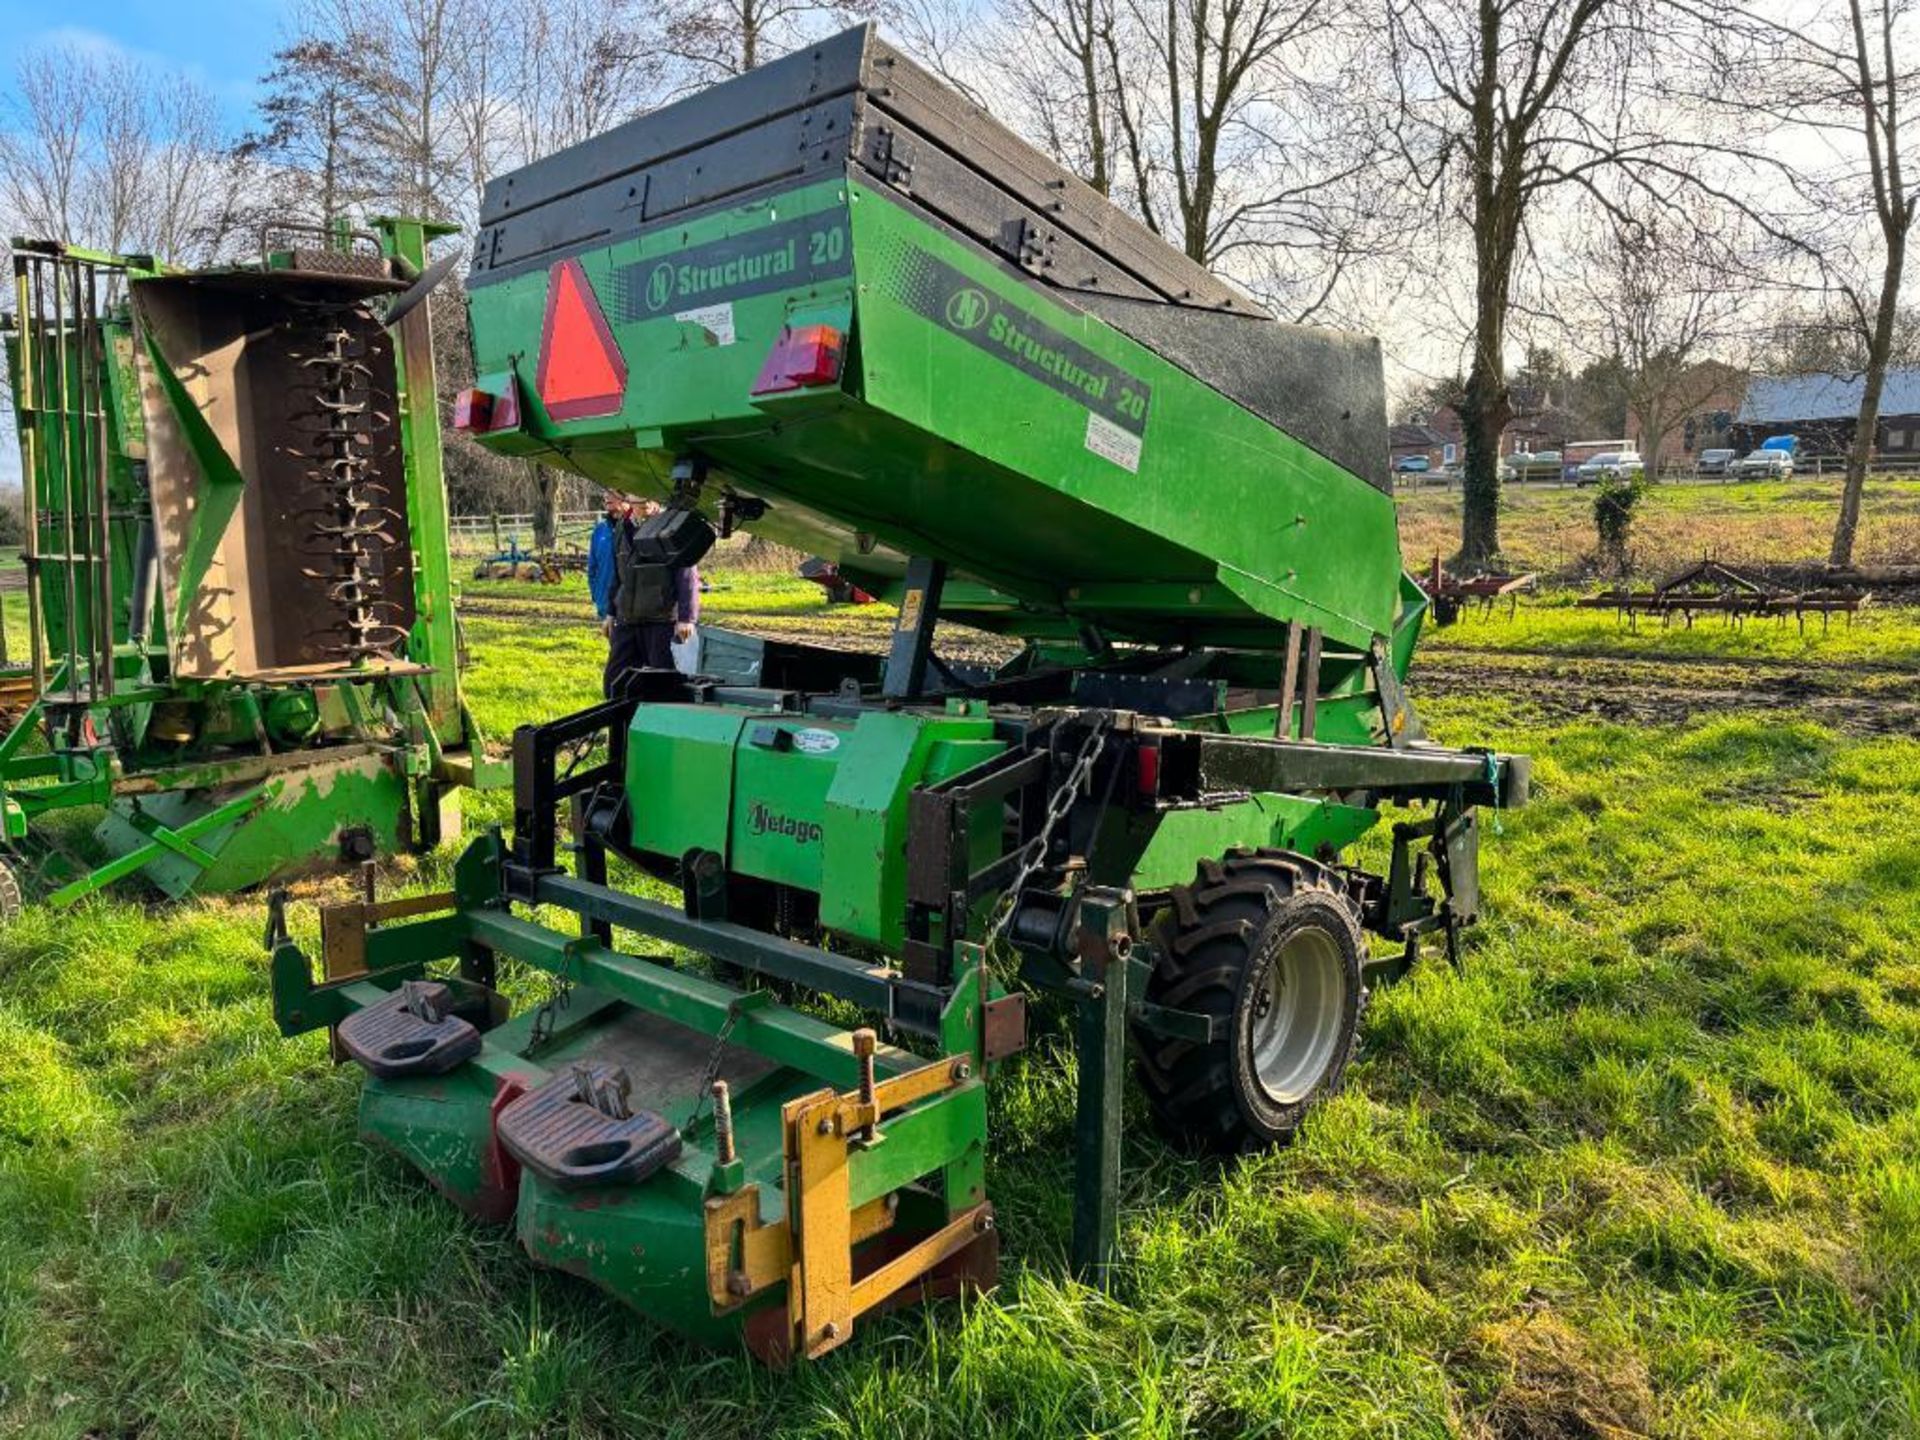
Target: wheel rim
column 1297, row 1015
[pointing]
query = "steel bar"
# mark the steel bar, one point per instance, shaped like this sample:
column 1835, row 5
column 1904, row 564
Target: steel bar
column 103, row 559
column 1289, row 680
column 787, row 1036
column 906, row 672
column 1252, row 763
column 31, row 448
column 1310, row 685
column 872, row 987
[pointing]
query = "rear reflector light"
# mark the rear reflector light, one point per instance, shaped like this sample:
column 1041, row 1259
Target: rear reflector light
column 1147, row 776
column 479, row 411
column 472, row 410
column 803, row 355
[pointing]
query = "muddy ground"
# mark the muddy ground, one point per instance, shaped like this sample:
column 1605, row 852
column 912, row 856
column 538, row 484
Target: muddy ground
column 1857, row 698
column 1853, row 697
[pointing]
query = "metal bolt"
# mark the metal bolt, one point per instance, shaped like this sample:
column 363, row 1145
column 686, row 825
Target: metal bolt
column 831, row 1330
column 893, row 1202
column 827, row 1126
column 962, row 1070
column 982, row 1224
column 738, row 1283
column 722, row 1123
column 864, row 1044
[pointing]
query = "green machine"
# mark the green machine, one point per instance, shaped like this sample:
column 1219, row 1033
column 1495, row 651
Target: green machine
column 829, row 303
column 242, row 643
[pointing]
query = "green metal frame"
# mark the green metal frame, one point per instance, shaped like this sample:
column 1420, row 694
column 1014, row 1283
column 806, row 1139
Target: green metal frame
column 229, row 826
column 938, row 1141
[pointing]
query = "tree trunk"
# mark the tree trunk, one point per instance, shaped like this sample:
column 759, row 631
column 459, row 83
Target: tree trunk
column 1485, row 409
column 1860, row 453
column 546, row 495
column 1654, row 429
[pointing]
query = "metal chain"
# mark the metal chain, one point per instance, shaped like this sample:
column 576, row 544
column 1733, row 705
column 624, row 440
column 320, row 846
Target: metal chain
column 712, row 1072
column 559, row 996
column 1033, row 855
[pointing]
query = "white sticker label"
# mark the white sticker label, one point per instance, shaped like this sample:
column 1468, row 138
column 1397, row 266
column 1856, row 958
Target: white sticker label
column 815, row 742
column 1110, row 442
column 716, row 320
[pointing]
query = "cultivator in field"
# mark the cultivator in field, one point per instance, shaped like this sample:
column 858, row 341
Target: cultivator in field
column 241, row 641
column 1448, row 594
column 829, row 303
column 1713, row 588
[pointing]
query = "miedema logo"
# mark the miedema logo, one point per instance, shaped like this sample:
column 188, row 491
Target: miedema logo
column 660, row 285
column 582, row 371
column 967, row 308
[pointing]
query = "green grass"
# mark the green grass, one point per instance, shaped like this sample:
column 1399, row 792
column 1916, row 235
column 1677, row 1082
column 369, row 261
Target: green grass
column 1551, row 623
column 1647, row 1165
column 1770, row 522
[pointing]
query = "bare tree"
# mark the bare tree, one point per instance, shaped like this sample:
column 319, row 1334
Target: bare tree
column 106, row 152
column 1847, row 76
column 1228, row 126
column 577, row 68
column 1496, row 110
column 1221, row 74
column 310, row 139
column 397, row 67
column 1839, row 73
column 712, row 39
column 1665, row 304
column 1060, row 63
column 44, row 143
column 1504, row 107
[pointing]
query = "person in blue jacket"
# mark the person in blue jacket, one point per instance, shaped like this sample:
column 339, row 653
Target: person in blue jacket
column 600, row 557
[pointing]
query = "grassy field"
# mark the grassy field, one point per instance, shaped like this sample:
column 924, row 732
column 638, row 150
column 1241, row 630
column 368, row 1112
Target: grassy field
column 1650, row 1165
column 1784, row 522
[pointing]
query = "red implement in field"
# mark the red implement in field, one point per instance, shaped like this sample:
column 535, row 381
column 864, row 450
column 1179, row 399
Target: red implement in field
column 1449, row 592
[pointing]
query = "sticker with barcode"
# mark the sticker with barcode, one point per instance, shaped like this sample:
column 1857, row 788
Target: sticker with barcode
column 716, row 320
column 1110, row 442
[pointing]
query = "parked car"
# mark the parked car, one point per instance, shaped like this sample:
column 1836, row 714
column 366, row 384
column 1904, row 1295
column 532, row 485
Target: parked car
column 1609, row 465
column 1412, row 465
column 1715, row 462
column 1540, row 465
column 1762, row 465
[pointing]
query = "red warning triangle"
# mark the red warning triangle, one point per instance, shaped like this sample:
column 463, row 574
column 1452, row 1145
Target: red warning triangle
column 582, row 371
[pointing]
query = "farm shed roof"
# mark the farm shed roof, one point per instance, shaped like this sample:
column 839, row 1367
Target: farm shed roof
column 1784, row 399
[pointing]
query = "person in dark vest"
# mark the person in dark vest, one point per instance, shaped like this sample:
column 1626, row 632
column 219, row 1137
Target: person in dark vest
column 654, row 606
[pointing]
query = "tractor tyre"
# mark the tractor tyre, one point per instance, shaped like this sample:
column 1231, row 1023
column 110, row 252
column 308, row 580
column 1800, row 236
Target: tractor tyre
column 1270, row 947
column 11, row 901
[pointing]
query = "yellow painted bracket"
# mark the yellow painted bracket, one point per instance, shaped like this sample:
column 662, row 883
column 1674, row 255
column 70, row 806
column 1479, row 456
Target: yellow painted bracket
column 747, row 1256
column 343, row 928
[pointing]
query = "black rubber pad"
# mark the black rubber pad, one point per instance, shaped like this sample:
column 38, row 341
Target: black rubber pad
column 562, row 1136
column 411, row 1032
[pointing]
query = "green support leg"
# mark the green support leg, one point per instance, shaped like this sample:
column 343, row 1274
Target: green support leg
column 964, row 1179
column 1103, row 990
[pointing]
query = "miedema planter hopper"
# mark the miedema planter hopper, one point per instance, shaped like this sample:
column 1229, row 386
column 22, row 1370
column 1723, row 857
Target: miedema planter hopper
column 241, row 647
column 831, row 304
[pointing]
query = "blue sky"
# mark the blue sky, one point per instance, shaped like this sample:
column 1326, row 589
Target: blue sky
column 223, row 44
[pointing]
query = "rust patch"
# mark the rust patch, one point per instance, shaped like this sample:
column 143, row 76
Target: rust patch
column 1004, row 1030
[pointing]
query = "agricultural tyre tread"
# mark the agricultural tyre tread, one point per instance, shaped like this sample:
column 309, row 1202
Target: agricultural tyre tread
column 1216, row 944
